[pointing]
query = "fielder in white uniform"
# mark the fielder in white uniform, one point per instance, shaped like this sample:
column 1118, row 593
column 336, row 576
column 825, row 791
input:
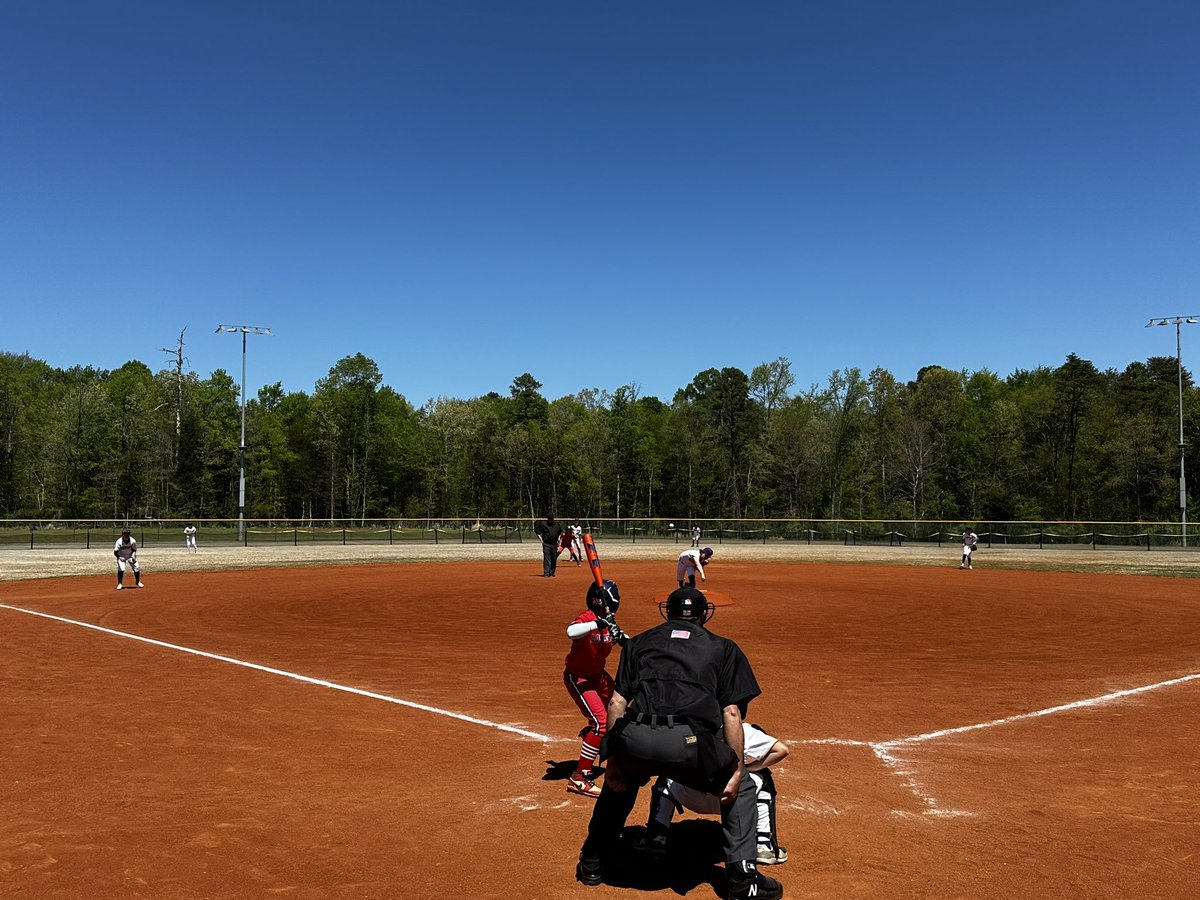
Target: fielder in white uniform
column 690, row 562
column 761, row 752
column 577, row 539
column 969, row 540
column 126, row 553
column 189, row 538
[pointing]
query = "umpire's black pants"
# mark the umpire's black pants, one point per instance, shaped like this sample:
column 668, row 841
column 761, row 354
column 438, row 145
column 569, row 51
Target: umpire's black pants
column 739, row 818
column 549, row 559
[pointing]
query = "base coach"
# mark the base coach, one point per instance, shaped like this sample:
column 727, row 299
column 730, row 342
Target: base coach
column 677, row 711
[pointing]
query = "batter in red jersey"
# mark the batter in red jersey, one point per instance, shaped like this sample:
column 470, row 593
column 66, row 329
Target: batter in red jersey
column 592, row 635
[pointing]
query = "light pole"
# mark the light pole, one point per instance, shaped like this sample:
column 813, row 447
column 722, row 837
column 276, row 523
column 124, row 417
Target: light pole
column 243, row 330
column 1179, row 321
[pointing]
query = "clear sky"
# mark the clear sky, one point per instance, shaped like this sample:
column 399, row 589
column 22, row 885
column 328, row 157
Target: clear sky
column 599, row 194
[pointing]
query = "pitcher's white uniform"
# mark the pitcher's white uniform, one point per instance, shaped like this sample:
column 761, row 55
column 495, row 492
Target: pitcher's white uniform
column 189, row 538
column 691, row 561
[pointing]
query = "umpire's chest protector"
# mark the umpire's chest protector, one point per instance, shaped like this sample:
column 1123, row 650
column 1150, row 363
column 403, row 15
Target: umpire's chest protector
column 676, row 669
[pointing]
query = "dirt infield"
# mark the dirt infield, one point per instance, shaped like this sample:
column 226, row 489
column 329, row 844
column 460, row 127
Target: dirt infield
column 390, row 731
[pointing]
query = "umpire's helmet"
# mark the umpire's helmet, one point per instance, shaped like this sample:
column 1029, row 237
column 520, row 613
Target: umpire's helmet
column 688, row 604
column 603, row 601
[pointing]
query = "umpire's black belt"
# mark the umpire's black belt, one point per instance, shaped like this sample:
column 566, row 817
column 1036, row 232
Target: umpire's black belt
column 656, row 721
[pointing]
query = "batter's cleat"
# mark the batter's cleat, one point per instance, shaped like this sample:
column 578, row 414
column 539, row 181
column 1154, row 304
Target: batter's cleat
column 120, row 587
column 747, row 883
column 771, row 856
column 578, row 783
column 588, row 871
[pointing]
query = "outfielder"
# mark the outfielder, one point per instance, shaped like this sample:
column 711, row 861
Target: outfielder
column 592, row 635
column 126, row 553
column 189, row 537
column 969, row 540
column 692, row 561
column 760, row 752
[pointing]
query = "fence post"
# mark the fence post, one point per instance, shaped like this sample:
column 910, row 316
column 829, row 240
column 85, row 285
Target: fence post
column 30, row 538
column 389, row 535
column 1040, row 540
column 295, row 536
column 1093, row 540
column 764, row 532
column 245, row 537
column 1147, row 539
column 633, row 531
column 88, row 546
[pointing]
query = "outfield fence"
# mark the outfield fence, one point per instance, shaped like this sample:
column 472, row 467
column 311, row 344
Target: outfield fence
column 48, row 534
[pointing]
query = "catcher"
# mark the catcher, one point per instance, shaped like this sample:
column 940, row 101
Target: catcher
column 592, row 635
column 126, row 553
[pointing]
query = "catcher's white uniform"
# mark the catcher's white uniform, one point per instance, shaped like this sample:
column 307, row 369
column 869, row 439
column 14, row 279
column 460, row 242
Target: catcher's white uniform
column 756, row 745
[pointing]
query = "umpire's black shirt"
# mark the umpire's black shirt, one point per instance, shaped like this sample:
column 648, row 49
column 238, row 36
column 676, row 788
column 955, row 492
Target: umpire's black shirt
column 680, row 668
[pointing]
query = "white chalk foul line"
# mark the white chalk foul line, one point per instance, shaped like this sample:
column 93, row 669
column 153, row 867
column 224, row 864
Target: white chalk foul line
column 1049, row 711
column 499, row 726
column 882, row 749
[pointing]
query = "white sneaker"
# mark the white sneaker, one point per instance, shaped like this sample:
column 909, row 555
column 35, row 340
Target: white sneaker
column 120, row 587
column 771, row 856
column 139, row 584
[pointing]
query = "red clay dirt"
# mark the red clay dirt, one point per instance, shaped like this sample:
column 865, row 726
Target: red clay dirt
column 136, row 770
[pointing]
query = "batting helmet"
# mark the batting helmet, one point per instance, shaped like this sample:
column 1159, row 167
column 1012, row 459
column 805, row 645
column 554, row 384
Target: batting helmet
column 603, row 601
column 688, row 604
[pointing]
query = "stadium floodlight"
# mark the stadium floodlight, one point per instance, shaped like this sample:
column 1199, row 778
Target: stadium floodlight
column 1179, row 321
column 243, row 330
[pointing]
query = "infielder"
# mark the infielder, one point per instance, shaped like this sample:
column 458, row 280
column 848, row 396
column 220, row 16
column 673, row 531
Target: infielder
column 695, row 535
column 126, row 553
column 592, row 635
column 760, row 752
column 189, row 537
column 969, row 540
column 692, row 561
column 577, row 539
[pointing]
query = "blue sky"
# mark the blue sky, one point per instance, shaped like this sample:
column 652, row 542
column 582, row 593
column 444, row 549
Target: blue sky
column 598, row 194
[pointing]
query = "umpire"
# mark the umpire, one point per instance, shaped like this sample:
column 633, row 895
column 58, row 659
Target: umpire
column 549, row 532
column 676, row 711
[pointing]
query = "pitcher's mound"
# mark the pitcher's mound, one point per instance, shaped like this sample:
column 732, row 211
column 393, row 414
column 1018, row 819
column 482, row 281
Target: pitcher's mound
column 716, row 598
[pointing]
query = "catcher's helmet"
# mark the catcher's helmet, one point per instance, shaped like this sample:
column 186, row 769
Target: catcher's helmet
column 688, row 604
column 706, row 553
column 603, row 601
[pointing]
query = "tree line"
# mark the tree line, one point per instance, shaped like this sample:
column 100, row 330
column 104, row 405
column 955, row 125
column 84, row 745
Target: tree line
column 1053, row 443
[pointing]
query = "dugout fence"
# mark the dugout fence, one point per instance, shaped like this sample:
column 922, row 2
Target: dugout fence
column 75, row 534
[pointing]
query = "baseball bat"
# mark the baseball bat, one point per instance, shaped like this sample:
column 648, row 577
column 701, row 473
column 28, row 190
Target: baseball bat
column 589, row 549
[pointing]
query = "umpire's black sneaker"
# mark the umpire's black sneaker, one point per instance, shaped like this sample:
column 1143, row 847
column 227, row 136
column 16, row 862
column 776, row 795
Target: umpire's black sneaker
column 588, row 871
column 747, row 883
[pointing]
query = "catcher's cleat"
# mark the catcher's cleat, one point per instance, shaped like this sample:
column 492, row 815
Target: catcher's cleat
column 580, row 784
column 653, row 843
column 771, row 856
column 589, row 871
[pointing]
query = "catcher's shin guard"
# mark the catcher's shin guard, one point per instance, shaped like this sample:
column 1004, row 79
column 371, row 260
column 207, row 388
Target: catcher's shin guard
column 662, row 805
column 766, row 798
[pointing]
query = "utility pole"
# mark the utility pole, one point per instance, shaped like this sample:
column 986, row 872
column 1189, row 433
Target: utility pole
column 243, row 330
column 1178, row 321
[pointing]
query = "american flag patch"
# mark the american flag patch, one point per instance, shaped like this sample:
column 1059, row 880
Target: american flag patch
column 681, row 634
